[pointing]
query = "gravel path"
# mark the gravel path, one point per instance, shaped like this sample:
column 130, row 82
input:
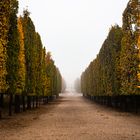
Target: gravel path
column 71, row 117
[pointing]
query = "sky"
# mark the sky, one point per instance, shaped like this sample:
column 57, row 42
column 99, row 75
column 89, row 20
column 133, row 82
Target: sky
column 73, row 30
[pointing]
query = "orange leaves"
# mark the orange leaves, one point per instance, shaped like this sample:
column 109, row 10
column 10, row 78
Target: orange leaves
column 21, row 59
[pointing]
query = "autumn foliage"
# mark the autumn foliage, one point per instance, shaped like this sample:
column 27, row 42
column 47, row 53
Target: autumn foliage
column 28, row 75
column 113, row 78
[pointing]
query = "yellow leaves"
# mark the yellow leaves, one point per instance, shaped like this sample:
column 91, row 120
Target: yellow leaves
column 47, row 86
column 129, row 51
column 138, row 44
column 21, row 59
column 21, row 34
column 4, row 25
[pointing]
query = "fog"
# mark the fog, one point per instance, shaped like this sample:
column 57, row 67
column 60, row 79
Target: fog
column 73, row 30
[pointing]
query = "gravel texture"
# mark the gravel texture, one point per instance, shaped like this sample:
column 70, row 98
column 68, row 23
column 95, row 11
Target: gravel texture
column 71, row 117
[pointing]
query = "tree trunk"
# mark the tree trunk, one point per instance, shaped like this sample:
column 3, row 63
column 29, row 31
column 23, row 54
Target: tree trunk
column 17, row 103
column 28, row 102
column 23, row 102
column 10, row 104
column 36, row 101
column 1, row 100
column 46, row 99
column 135, row 104
column 1, row 104
column 39, row 101
column 0, row 113
column 33, row 102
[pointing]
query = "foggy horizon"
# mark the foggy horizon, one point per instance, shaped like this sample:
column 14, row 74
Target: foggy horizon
column 73, row 31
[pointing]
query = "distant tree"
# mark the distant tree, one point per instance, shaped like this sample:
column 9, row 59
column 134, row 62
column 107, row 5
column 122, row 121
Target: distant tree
column 77, row 85
column 59, row 82
column 63, row 87
column 54, row 79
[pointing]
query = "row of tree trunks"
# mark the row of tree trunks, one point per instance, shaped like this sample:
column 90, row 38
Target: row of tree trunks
column 125, row 103
column 19, row 103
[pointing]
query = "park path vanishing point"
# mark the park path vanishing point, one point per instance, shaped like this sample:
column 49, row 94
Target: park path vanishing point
column 71, row 117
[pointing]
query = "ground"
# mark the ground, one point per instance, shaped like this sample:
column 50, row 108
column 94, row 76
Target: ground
column 71, row 117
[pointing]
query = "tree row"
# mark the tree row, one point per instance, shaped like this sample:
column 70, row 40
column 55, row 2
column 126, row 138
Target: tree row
column 113, row 78
column 27, row 73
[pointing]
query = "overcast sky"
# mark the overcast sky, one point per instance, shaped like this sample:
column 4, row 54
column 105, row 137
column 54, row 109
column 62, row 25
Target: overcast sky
column 74, row 30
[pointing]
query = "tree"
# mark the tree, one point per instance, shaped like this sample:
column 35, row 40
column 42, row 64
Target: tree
column 58, row 82
column 49, row 64
column 4, row 27
column 114, row 76
column 30, row 56
column 21, row 59
column 54, row 79
column 129, row 54
column 102, row 75
column 13, row 52
column 39, row 65
column 44, row 79
column 22, row 67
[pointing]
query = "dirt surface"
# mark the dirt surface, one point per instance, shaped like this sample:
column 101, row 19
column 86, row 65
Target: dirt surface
column 71, row 117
